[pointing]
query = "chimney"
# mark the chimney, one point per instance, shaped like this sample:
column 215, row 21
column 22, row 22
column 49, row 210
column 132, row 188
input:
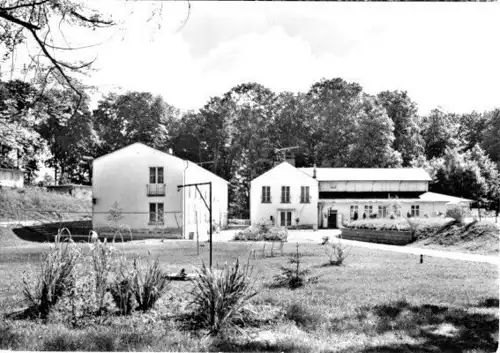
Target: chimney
column 170, row 151
column 291, row 161
column 314, row 171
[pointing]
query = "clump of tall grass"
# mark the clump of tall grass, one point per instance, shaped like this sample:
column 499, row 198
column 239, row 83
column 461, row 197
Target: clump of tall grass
column 43, row 291
column 219, row 296
column 102, row 265
column 150, row 287
column 123, row 295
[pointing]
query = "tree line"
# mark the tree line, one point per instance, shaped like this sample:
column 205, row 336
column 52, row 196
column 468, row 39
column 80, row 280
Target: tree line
column 334, row 124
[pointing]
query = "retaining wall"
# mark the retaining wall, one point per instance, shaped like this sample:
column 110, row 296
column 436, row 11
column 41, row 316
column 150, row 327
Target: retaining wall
column 391, row 237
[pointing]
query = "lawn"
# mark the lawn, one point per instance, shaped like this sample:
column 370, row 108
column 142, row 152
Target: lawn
column 378, row 301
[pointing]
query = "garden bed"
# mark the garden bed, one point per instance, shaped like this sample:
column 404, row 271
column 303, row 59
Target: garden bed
column 391, row 237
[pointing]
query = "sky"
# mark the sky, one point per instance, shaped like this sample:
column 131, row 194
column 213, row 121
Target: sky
column 444, row 54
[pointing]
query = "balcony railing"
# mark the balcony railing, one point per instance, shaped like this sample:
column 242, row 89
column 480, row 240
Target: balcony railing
column 155, row 189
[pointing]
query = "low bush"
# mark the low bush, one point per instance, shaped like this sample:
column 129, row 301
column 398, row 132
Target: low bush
column 336, row 253
column 220, row 295
column 262, row 232
column 249, row 234
column 457, row 213
column 303, row 316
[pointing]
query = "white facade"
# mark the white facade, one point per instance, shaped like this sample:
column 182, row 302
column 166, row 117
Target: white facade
column 342, row 194
column 11, row 178
column 144, row 183
column 268, row 198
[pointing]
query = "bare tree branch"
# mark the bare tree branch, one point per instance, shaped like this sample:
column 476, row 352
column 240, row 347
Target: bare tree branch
column 10, row 8
column 10, row 18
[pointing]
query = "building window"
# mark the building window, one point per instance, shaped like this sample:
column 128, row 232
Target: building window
column 304, row 194
column 266, row 194
column 286, row 218
column 415, row 211
column 156, row 213
column 368, row 210
column 382, row 211
column 156, row 175
column 285, row 194
column 354, row 212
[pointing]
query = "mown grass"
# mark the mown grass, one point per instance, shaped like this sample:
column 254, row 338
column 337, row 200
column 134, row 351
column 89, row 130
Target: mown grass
column 378, row 301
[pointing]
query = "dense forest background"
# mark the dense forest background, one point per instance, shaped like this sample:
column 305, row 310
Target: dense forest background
column 334, row 124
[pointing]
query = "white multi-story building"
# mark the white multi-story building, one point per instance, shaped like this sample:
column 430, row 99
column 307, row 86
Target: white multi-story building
column 143, row 183
column 337, row 195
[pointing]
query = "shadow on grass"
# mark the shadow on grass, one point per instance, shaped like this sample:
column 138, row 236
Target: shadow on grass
column 46, row 232
column 440, row 328
column 259, row 346
column 489, row 303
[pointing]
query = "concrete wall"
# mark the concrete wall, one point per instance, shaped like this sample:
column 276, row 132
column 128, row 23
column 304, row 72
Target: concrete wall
column 11, row 178
column 284, row 175
column 373, row 186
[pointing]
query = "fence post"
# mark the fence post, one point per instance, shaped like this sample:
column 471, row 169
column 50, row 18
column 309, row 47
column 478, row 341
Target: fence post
column 197, row 234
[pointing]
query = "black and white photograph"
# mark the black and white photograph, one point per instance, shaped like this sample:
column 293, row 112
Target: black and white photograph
column 249, row 176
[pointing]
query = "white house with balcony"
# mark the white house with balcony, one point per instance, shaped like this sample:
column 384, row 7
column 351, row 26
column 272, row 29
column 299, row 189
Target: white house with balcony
column 338, row 195
column 142, row 183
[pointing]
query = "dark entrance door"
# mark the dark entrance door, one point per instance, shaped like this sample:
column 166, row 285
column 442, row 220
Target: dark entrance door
column 332, row 219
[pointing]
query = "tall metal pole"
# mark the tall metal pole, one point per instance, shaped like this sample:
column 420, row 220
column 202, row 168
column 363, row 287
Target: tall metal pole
column 210, row 215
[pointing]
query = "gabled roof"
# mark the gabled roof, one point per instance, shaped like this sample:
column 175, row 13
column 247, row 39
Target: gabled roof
column 432, row 196
column 130, row 146
column 283, row 165
column 155, row 150
column 369, row 174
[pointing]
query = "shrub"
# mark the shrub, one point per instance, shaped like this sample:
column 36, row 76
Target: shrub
column 150, row 287
column 276, row 234
column 457, row 213
column 249, row 233
column 56, row 277
column 302, row 316
column 123, row 295
column 293, row 277
column 336, row 253
column 220, row 295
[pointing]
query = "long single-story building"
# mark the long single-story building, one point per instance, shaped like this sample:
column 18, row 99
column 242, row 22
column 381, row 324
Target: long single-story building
column 328, row 197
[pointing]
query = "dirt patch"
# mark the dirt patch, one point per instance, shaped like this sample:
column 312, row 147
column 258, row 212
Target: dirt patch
column 475, row 237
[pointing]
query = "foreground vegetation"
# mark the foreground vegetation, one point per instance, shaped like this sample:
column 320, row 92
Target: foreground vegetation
column 372, row 302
